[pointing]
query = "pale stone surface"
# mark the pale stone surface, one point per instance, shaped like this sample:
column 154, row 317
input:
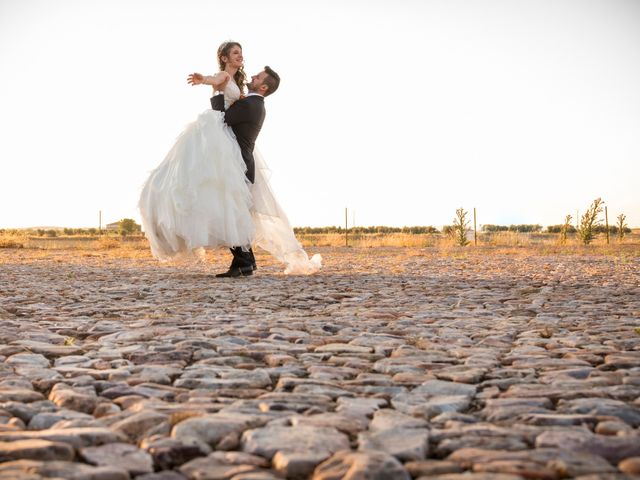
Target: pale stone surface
column 73, row 399
column 386, row 419
column 298, row 464
column 209, row 468
column 35, row 450
column 207, row 431
column 630, row 465
column 403, row 443
column 613, row 449
column 269, row 440
column 22, row 469
column 126, row 456
column 431, row 468
column 349, row 465
column 76, row 437
column 466, row 364
column 138, row 425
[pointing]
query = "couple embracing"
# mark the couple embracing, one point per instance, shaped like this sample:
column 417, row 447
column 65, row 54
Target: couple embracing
column 212, row 189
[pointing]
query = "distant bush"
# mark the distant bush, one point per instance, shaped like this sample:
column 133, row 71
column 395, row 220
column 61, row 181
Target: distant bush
column 511, row 228
column 495, row 228
column 526, row 228
column 559, row 228
column 365, row 230
column 613, row 229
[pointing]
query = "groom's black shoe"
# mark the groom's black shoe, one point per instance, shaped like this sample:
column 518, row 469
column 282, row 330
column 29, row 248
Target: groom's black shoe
column 235, row 272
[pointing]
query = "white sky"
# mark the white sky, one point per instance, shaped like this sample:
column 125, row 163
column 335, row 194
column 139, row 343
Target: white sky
column 400, row 110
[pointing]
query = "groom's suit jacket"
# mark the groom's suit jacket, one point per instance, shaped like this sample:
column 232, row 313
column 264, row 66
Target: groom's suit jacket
column 245, row 117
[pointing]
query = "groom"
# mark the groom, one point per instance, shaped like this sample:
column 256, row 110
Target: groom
column 245, row 117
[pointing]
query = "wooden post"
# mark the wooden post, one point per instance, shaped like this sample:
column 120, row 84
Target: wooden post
column 346, row 231
column 475, row 231
column 99, row 221
column 606, row 222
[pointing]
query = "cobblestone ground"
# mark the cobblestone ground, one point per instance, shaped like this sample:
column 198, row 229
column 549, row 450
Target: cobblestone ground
column 390, row 364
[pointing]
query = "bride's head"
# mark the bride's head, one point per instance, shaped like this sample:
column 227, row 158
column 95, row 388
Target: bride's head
column 230, row 55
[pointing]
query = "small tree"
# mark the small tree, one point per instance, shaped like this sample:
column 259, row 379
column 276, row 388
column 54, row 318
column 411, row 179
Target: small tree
column 127, row 226
column 621, row 225
column 460, row 225
column 565, row 229
column 589, row 220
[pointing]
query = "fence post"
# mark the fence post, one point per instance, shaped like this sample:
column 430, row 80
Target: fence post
column 346, row 230
column 606, row 222
column 475, row 231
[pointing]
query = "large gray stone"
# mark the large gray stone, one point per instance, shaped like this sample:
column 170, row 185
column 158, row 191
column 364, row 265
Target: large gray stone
column 138, row 425
column 405, row 444
column 387, row 418
column 208, row 431
column 298, row 464
column 25, row 469
column 602, row 406
column 371, row 465
column 35, row 450
column 613, row 449
column 269, row 440
column 127, row 456
column 76, row 437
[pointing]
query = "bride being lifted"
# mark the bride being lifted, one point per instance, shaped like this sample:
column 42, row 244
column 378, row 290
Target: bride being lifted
column 212, row 190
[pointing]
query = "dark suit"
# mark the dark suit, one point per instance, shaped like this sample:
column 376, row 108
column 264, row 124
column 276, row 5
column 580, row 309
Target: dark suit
column 245, row 117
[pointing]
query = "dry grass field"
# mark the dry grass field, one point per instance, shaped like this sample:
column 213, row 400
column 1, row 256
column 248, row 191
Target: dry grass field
column 487, row 243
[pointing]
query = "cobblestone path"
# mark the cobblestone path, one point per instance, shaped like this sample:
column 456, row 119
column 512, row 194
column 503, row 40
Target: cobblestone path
column 390, row 364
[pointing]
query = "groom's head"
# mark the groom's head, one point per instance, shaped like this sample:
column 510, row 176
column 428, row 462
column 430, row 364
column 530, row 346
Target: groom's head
column 265, row 83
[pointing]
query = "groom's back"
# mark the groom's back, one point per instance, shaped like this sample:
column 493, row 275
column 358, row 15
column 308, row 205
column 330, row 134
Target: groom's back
column 246, row 117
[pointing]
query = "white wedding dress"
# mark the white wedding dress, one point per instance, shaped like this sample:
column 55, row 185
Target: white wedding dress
column 199, row 197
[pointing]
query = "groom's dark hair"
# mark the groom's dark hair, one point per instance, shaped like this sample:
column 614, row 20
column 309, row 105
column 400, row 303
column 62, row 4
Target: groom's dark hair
column 272, row 81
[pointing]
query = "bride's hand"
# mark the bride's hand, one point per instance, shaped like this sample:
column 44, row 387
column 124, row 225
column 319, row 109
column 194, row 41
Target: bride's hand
column 195, row 79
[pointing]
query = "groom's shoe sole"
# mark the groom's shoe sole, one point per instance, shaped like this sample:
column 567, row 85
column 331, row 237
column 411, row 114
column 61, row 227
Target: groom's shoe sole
column 236, row 272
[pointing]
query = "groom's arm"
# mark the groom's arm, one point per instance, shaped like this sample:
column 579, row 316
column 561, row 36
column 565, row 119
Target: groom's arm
column 217, row 102
column 239, row 112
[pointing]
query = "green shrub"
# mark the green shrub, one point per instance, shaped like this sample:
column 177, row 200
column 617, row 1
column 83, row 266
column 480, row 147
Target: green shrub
column 590, row 220
column 460, row 225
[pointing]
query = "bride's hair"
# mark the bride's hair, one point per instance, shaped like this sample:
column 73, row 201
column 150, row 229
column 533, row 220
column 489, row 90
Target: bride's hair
column 223, row 51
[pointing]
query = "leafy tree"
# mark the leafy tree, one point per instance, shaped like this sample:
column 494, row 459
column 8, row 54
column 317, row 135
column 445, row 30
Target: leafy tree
column 128, row 225
column 590, row 220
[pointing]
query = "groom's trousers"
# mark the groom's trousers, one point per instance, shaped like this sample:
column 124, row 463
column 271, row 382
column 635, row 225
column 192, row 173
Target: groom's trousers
column 242, row 258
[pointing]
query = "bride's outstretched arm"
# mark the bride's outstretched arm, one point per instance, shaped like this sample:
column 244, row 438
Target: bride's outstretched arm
column 217, row 81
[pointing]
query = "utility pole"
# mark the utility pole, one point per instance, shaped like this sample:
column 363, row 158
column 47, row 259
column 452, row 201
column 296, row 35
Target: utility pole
column 475, row 231
column 346, row 229
column 606, row 221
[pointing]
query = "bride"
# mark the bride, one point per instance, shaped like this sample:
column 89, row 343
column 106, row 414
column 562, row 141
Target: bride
column 200, row 196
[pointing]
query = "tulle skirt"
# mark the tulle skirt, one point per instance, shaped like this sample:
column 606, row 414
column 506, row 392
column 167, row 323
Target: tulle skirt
column 199, row 197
